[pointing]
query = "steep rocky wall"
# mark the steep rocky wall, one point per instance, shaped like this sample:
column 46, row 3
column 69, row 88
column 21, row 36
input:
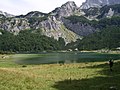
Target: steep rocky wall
column 14, row 24
column 98, row 3
column 82, row 29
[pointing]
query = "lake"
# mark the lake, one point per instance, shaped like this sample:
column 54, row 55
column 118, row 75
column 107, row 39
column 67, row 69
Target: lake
column 63, row 57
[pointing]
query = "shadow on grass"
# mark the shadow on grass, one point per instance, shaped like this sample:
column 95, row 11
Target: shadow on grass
column 106, row 81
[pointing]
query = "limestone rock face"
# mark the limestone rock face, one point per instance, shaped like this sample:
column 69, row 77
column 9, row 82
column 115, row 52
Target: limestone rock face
column 50, row 24
column 52, row 27
column 35, row 14
column 66, row 9
column 14, row 25
column 98, row 3
column 94, row 13
column 82, row 29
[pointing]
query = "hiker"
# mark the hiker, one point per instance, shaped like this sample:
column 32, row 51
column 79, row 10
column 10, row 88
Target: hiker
column 111, row 64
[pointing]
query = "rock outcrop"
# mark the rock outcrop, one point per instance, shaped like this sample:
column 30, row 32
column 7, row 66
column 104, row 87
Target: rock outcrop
column 52, row 27
column 104, row 12
column 82, row 29
column 35, row 14
column 49, row 24
column 66, row 9
column 14, row 24
column 5, row 14
column 98, row 3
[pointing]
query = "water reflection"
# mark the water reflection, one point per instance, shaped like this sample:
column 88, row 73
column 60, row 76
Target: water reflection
column 61, row 58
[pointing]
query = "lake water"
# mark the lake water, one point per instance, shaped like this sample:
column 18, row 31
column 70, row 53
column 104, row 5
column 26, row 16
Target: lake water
column 68, row 57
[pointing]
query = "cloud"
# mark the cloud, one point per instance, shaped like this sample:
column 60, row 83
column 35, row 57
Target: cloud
column 12, row 6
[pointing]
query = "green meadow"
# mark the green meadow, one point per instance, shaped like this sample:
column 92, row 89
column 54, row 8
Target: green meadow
column 74, row 76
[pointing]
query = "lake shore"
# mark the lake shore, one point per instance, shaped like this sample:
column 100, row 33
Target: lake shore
column 103, row 51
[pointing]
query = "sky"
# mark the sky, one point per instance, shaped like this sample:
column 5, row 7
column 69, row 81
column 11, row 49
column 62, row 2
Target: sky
column 18, row 7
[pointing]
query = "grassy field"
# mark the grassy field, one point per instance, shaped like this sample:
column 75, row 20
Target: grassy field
column 82, row 76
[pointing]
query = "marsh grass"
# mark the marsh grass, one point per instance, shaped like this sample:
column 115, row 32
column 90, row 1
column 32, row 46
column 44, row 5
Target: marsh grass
column 77, row 76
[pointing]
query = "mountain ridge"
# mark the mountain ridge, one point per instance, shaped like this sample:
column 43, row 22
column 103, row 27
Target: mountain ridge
column 6, row 14
column 50, row 25
column 98, row 3
column 56, row 23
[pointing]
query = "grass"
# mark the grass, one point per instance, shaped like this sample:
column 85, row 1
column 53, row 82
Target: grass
column 81, row 76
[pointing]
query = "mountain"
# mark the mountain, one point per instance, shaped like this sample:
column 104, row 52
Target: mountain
column 79, row 25
column 32, row 14
column 50, row 24
column 104, row 12
column 5, row 14
column 68, row 21
column 94, row 20
column 67, row 9
column 98, row 3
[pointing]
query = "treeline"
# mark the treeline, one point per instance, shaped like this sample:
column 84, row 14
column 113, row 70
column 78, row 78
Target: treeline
column 107, row 37
column 102, row 23
column 76, row 19
column 28, row 41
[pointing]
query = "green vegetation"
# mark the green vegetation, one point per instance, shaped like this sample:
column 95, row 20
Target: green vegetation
column 32, row 20
column 105, row 22
column 91, row 11
column 102, row 23
column 82, row 76
column 105, row 9
column 107, row 36
column 75, row 19
column 61, row 43
column 27, row 41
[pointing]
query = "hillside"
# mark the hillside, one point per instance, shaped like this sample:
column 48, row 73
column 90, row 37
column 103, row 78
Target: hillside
column 50, row 24
column 68, row 21
column 106, row 36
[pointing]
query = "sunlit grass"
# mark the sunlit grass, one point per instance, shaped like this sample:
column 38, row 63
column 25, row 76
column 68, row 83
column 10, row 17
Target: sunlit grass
column 77, row 76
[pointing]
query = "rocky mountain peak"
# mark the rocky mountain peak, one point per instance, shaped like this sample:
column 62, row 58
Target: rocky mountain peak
column 35, row 14
column 6, row 14
column 69, row 4
column 98, row 3
column 66, row 9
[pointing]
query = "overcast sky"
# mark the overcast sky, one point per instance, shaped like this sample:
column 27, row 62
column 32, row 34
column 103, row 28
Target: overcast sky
column 18, row 7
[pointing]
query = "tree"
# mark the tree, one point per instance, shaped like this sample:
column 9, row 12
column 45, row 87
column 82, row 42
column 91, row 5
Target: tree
column 61, row 42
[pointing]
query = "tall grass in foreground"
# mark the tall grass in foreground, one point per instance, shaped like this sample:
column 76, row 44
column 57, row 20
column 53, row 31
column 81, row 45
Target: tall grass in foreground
column 82, row 76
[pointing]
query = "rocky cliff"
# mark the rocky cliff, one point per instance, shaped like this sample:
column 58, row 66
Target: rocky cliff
column 49, row 24
column 82, row 29
column 104, row 12
column 98, row 3
column 14, row 24
column 67, row 9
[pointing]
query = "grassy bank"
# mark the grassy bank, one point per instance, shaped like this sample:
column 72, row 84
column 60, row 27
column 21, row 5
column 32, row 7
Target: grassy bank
column 82, row 76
